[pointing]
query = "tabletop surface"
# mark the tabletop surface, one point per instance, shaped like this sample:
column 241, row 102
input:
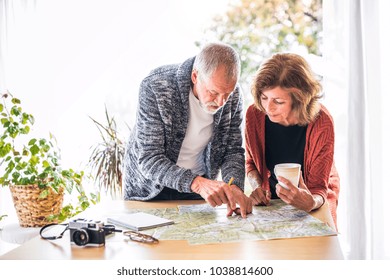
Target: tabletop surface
column 119, row 247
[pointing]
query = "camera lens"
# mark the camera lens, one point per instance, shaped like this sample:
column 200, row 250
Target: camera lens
column 80, row 237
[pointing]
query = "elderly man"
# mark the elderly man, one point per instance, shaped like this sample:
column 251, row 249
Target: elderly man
column 188, row 129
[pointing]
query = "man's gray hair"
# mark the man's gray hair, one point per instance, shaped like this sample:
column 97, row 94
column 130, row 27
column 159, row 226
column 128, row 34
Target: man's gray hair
column 217, row 54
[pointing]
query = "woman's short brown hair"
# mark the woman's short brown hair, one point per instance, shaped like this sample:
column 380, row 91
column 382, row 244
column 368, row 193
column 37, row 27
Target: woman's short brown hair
column 290, row 72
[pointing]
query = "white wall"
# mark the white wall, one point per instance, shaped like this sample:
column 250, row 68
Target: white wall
column 66, row 59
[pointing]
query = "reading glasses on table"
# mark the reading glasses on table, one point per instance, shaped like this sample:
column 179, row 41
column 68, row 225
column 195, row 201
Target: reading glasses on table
column 140, row 237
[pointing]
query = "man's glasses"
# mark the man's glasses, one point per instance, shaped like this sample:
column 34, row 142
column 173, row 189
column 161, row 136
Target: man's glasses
column 140, row 237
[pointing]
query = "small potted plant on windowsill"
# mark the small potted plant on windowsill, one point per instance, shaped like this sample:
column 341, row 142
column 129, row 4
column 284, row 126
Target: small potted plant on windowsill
column 31, row 168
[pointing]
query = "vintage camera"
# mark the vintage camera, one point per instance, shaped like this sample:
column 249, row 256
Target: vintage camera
column 87, row 233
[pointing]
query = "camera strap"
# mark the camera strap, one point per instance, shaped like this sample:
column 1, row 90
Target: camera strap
column 56, row 231
column 45, row 231
column 108, row 229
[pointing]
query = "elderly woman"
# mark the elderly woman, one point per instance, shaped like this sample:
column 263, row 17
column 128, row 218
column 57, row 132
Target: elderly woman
column 287, row 124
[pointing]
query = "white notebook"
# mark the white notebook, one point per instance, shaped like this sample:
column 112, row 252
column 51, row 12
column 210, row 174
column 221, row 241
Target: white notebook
column 139, row 221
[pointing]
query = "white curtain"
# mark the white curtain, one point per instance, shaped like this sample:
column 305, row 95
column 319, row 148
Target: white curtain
column 355, row 43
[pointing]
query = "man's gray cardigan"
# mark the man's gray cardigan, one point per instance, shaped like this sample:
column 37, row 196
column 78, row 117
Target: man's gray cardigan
column 162, row 118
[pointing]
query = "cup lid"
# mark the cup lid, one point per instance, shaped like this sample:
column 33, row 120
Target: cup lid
column 287, row 165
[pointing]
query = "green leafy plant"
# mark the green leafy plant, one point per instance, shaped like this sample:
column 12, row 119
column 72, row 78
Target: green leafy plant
column 106, row 158
column 70, row 210
column 2, row 217
column 34, row 161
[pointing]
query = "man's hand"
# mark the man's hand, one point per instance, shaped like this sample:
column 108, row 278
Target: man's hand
column 244, row 202
column 217, row 193
column 212, row 191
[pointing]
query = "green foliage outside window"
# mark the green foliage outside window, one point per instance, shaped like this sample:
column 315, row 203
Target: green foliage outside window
column 259, row 28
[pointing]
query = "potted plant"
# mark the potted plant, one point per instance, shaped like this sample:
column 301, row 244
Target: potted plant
column 106, row 158
column 31, row 168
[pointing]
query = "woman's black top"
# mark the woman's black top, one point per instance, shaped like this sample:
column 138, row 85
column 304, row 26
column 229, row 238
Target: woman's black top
column 283, row 144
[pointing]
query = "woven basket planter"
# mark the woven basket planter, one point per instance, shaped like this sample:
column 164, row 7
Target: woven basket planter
column 32, row 210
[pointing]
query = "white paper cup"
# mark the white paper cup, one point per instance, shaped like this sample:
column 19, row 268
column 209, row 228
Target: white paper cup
column 290, row 171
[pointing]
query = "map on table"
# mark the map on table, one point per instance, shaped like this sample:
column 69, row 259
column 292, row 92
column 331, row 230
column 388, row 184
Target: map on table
column 203, row 224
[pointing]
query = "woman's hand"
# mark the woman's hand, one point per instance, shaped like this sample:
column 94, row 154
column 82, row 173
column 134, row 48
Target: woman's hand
column 260, row 197
column 301, row 197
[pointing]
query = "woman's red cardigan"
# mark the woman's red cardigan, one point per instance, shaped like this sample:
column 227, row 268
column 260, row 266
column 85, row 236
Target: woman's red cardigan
column 320, row 174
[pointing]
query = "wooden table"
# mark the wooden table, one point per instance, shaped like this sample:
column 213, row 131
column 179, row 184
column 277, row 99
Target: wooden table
column 118, row 247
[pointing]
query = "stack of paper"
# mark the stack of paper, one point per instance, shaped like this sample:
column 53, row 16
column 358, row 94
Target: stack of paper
column 139, row 221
